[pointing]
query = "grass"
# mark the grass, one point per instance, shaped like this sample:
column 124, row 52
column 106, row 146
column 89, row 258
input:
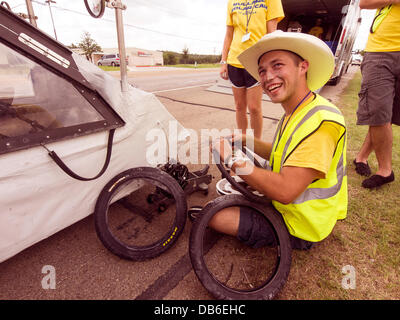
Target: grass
column 199, row 66
column 190, row 66
column 368, row 239
column 109, row 68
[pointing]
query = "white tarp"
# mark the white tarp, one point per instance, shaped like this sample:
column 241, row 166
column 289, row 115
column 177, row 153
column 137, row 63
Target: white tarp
column 37, row 198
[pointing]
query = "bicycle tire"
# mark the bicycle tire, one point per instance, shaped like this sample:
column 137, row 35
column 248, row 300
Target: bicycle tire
column 145, row 252
column 275, row 283
column 225, row 174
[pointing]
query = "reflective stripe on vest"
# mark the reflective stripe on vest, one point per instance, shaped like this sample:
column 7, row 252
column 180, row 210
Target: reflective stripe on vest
column 308, row 116
column 325, row 193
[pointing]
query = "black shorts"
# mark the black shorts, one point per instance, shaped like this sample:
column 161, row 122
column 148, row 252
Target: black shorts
column 256, row 232
column 240, row 78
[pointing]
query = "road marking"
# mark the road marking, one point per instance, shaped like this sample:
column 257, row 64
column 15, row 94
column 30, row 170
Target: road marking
column 201, row 85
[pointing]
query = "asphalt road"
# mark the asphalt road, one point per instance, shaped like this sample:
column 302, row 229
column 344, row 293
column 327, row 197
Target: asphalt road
column 162, row 79
column 82, row 267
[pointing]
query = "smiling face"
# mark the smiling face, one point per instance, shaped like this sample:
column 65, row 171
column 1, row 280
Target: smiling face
column 283, row 76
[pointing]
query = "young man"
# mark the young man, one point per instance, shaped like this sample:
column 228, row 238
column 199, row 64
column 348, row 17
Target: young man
column 379, row 104
column 307, row 180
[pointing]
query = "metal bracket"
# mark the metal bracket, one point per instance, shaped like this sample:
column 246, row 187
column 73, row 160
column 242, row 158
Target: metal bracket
column 115, row 5
column 26, row 16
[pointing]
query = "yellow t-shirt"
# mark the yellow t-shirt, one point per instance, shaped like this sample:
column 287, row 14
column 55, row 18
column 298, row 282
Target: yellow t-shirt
column 316, row 152
column 258, row 13
column 386, row 37
column 316, row 31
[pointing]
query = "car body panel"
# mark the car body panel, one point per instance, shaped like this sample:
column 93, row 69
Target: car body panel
column 37, row 198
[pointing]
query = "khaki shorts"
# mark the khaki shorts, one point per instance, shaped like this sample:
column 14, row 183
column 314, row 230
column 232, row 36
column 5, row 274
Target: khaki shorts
column 379, row 97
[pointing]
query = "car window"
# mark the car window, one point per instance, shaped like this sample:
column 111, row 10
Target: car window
column 38, row 105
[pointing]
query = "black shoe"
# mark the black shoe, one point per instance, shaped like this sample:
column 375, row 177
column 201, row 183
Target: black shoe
column 377, row 181
column 194, row 212
column 362, row 169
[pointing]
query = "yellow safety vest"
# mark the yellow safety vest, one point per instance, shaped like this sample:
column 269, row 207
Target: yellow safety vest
column 380, row 15
column 314, row 213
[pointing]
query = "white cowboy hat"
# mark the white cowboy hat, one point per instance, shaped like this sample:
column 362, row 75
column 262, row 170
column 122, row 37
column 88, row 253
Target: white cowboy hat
column 315, row 51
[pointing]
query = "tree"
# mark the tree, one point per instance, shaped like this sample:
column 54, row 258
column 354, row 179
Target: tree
column 170, row 58
column 88, row 45
column 73, row 46
column 185, row 55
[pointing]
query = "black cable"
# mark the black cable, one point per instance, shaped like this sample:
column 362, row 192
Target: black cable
column 72, row 174
column 209, row 106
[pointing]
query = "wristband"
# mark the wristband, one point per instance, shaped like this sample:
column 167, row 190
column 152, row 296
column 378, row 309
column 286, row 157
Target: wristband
column 223, row 62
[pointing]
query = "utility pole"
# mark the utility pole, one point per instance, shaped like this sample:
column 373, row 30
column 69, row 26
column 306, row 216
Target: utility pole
column 117, row 4
column 51, row 15
column 96, row 10
column 31, row 14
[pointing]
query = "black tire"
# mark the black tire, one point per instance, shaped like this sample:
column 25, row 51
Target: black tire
column 99, row 64
column 243, row 190
column 273, row 284
column 113, row 64
column 168, row 239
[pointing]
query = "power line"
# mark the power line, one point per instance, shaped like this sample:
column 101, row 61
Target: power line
column 172, row 12
column 131, row 25
column 18, row 5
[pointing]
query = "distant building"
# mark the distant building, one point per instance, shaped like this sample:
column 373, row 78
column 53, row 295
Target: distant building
column 136, row 57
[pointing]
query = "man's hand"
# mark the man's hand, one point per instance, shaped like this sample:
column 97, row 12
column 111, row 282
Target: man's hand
column 223, row 71
column 224, row 149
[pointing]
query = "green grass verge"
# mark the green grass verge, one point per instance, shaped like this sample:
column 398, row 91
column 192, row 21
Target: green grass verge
column 189, row 66
column 198, row 66
column 109, row 68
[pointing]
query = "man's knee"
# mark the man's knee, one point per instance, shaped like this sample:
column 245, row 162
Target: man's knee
column 226, row 221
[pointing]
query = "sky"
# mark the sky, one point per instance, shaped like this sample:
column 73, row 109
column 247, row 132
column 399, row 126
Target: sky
column 198, row 25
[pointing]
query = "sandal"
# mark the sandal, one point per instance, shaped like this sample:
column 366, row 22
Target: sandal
column 362, row 169
column 377, row 181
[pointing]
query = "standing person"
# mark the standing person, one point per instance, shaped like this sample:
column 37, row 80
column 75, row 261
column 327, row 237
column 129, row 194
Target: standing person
column 307, row 182
column 317, row 30
column 379, row 104
column 247, row 21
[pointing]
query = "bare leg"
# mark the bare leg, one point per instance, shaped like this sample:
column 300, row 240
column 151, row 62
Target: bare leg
column 239, row 95
column 254, row 96
column 226, row 221
column 365, row 150
column 382, row 142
